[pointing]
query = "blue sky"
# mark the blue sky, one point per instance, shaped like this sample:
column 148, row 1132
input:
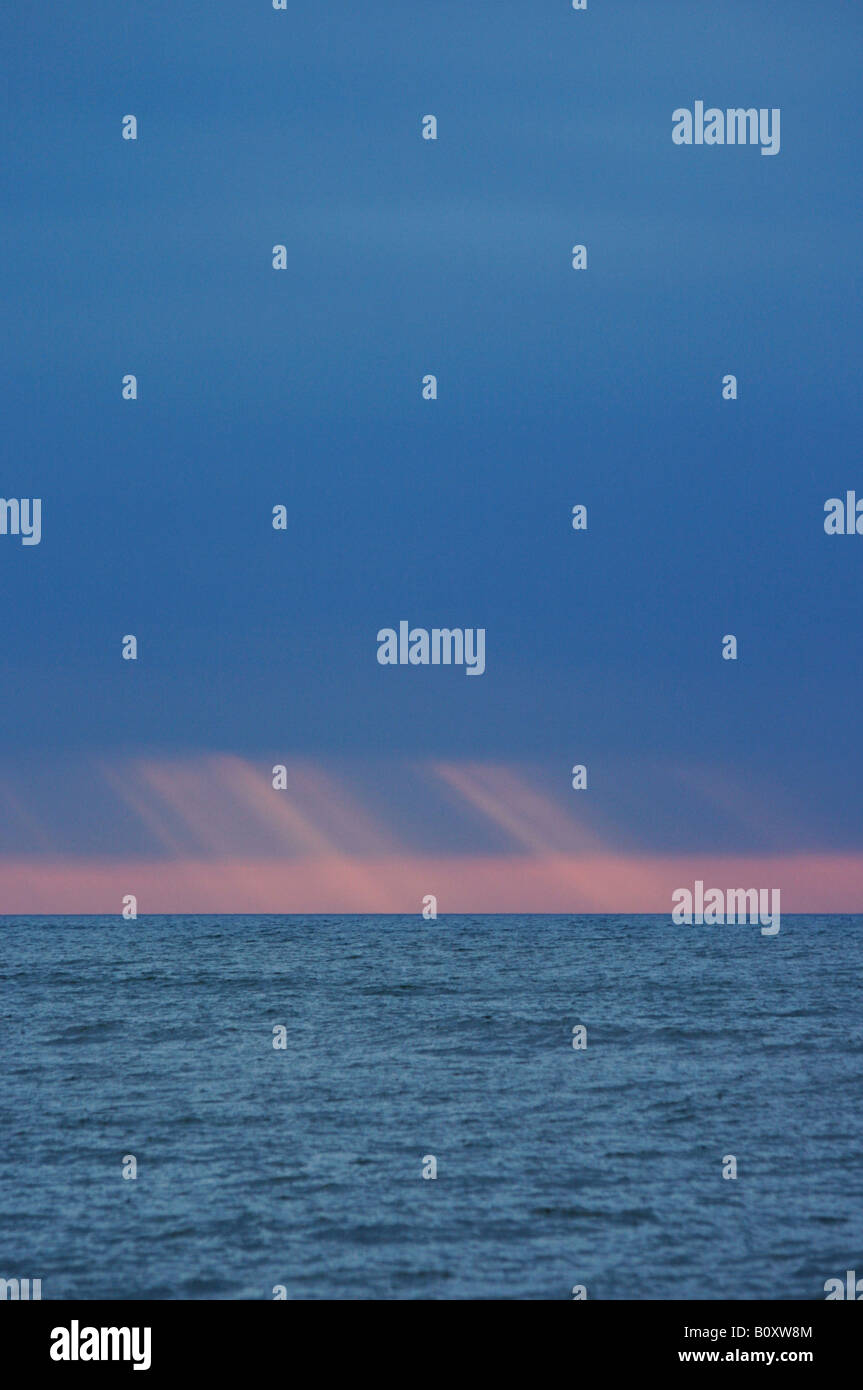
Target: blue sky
column 555, row 387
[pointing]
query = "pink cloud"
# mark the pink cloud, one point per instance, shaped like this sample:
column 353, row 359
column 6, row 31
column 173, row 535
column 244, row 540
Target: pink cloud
column 224, row 840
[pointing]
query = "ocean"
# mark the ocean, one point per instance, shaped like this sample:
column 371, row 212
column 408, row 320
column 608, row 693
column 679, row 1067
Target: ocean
column 297, row 1171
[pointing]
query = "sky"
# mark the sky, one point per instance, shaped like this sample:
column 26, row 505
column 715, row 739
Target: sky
column 302, row 388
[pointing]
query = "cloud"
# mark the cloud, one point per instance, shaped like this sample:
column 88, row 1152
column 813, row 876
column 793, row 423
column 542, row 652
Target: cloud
column 218, row 838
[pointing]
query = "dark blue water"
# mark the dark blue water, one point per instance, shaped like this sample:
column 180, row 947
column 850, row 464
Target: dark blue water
column 259, row 1167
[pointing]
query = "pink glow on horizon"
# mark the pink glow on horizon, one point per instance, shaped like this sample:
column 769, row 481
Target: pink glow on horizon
column 462, row 884
column 226, row 841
